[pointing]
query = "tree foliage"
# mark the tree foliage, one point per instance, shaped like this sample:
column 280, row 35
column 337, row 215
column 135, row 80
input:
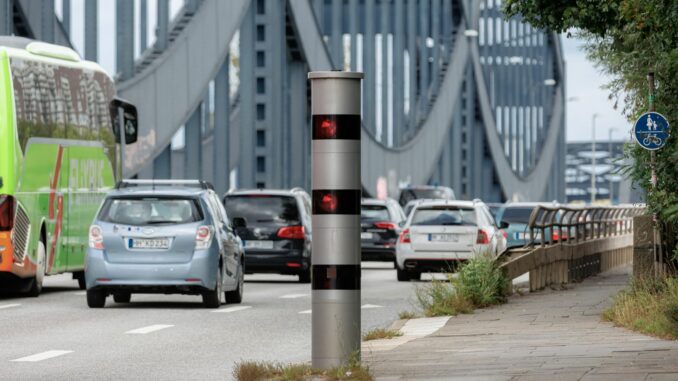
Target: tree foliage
column 626, row 39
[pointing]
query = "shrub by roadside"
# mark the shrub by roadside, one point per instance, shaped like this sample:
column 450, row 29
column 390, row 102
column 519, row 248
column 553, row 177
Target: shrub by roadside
column 649, row 306
column 381, row 333
column 267, row 371
column 480, row 283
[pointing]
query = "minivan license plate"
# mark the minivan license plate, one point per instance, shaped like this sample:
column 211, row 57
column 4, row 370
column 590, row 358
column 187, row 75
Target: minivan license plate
column 148, row 243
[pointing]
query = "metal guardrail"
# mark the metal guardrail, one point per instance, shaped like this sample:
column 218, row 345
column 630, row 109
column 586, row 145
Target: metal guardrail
column 570, row 243
column 579, row 224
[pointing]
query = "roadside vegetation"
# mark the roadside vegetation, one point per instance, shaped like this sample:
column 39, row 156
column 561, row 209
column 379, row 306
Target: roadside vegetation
column 267, row 371
column 480, row 283
column 381, row 333
column 407, row 315
column 648, row 306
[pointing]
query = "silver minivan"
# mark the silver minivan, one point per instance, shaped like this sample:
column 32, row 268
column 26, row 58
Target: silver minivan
column 153, row 236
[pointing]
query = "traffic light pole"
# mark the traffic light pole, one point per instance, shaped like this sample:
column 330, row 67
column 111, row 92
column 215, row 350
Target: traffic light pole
column 336, row 187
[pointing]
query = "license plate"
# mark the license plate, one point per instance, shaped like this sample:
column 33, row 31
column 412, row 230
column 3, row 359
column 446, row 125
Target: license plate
column 443, row 238
column 148, row 243
column 258, row 244
column 365, row 235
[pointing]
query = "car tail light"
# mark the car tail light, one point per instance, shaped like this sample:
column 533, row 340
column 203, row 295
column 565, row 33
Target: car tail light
column 203, row 237
column 293, row 264
column 6, row 212
column 291, row 232
column 483, row 238
column 385, row 225
column 556, row 236
column 96, row 237
column 405, row 236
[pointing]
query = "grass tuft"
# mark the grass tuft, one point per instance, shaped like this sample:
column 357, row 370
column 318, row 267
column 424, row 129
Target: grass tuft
column 381, row 333
column 649, row 306
column 407, row 315
column 480, row 284
column 266, row 371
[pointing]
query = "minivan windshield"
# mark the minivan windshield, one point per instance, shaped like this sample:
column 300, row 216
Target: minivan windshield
column 444, row 215
column 263, row 210
column 150, row 210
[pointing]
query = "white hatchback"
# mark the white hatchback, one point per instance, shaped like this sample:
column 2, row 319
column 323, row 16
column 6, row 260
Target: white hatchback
column 440, row 234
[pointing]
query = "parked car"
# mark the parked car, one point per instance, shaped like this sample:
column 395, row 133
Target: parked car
column 164, row 237
column 517, row 216
column 380, row 222
column 440, row 234
column 410, row 193
column 276, row 230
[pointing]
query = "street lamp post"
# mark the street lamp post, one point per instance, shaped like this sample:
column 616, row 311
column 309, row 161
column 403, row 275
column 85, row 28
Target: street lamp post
column 593, row 158
column 609, row 176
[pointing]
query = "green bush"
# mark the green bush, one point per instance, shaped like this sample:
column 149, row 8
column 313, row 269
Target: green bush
column 649, row 305
column 480, row 283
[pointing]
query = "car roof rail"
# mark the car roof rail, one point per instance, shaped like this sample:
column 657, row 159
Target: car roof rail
column 153, row 183
column 297, row 189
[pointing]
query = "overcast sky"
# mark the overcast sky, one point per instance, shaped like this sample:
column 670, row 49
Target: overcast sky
column 584, row 81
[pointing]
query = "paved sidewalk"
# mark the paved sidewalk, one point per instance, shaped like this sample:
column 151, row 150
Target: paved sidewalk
column 549, row 335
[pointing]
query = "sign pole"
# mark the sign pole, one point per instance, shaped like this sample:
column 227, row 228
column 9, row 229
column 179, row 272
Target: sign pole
column 653, row 176
column 336, row 189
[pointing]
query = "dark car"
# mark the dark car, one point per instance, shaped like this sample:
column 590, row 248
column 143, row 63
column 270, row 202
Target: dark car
column 380, row 222
column 276, row 231
column 410, row 193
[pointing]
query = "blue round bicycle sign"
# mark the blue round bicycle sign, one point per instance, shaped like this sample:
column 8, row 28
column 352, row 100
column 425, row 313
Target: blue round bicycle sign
column 651, row 131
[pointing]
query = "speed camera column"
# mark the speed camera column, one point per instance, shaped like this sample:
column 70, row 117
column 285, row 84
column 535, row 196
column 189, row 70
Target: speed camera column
column 335, row 106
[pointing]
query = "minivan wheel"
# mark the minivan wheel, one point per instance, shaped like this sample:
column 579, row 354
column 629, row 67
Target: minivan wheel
column 213, row 298
column 96, row 298
column 305, row 276
column 122, row 297
column 235, row 296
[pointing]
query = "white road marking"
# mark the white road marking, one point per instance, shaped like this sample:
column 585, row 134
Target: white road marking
column 149, row 329
column 413, row 329
column 367, row 306
column 42, row 356
column 306, row 312
column 232, row 309
column 294, row 296
column 79, row 293
column 9, row 305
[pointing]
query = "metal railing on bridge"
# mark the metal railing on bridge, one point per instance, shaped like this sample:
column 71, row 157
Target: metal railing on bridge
column 570, row 243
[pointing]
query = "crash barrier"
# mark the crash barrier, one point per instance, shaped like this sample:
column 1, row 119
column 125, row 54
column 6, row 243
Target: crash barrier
column 568, row 244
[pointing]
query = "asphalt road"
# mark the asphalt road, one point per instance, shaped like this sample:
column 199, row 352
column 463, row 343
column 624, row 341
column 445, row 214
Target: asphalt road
column 172, row 336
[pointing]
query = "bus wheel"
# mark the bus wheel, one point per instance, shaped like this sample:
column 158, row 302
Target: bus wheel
column 36, row 282
column 80, row 277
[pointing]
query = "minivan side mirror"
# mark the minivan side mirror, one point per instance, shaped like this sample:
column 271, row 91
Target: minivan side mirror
column 503, row 225
column 120, row 108
column 239, row 222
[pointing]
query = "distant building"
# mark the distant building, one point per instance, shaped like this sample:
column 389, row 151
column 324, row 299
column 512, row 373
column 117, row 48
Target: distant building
column 611, row 185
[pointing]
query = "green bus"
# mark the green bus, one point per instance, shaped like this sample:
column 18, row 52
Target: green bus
column 57, row 159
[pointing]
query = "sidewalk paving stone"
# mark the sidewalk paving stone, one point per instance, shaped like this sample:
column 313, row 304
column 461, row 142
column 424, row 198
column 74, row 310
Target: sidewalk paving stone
column 548, row 335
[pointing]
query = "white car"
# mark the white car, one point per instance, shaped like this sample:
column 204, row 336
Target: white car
column 439, row 234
